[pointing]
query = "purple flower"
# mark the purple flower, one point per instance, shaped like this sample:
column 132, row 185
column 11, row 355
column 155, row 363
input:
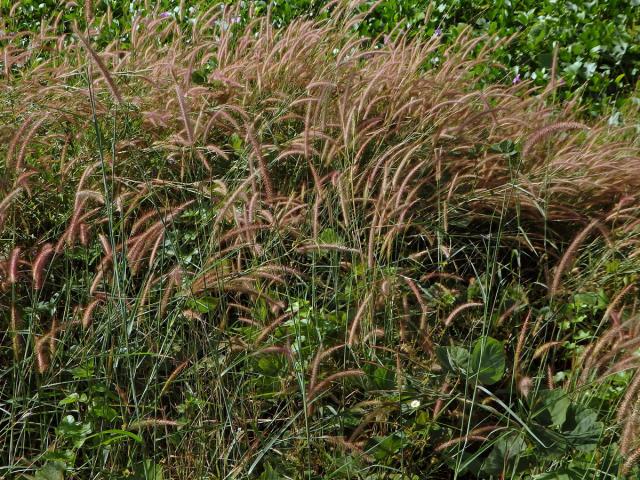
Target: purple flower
column 438, row 32
column 516, row 79
column 165, row 14
column 235, row 20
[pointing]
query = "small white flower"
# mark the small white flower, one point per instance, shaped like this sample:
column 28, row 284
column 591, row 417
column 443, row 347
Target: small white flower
column 414, row 403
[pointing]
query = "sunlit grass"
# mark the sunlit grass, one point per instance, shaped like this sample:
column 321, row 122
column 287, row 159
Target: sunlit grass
column 249, row 252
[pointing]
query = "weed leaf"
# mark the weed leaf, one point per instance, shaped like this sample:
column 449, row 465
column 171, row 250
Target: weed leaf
column 488, row 360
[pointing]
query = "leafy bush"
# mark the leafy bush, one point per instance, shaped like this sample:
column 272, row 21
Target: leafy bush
column 597, row 42
column 233, row 251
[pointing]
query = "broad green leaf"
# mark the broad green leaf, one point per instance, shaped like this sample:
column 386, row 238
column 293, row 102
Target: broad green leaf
column 504, row 452
column 384, row 378
column 51, row 471
column 269, row 365
column 101, row 409
column 555, row 404
column 555, row 443
column 269, row 473
column 387, row 446
column 488, row 360
column 587, row 431
column 454, row 359
column 73, row 430
column 84, row 372
column 74, row 397
column 203, row 304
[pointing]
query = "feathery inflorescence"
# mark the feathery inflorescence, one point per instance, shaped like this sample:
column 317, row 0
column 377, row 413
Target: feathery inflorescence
column 266, row 191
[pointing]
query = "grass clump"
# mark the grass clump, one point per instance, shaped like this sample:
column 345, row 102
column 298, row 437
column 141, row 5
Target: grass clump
column 589, row 48
column 245, row 251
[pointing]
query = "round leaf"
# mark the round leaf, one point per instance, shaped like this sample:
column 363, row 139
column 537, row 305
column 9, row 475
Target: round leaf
column 488, row 360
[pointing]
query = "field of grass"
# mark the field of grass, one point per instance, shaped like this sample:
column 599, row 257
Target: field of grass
column 241, row 248
column 596, row 44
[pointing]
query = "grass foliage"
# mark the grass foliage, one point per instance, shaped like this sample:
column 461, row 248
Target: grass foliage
column 592, row 48
column 237, row 251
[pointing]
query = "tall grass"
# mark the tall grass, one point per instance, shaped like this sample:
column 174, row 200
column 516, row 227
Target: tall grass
column 242, row 251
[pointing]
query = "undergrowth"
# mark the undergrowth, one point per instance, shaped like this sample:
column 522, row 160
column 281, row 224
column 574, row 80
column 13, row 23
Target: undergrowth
column 239, row 251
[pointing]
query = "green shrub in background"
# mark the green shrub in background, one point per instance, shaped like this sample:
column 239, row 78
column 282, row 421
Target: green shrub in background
column 598, row 42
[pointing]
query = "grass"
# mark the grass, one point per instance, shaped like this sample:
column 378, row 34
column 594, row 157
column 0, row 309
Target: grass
column 240, row 251
column 590, row 49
